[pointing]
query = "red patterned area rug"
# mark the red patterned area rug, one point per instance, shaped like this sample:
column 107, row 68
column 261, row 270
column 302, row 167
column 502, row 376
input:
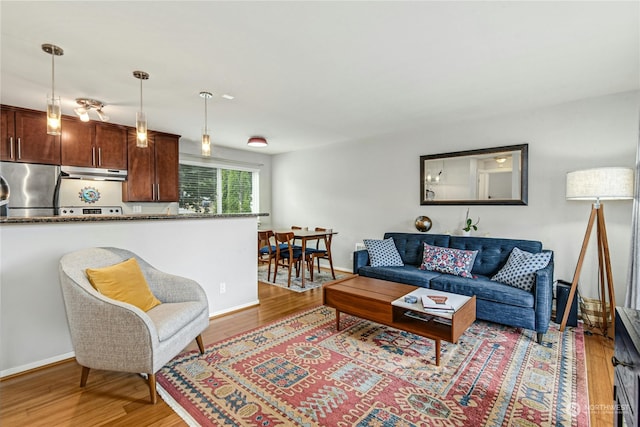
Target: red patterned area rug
column 300, row 371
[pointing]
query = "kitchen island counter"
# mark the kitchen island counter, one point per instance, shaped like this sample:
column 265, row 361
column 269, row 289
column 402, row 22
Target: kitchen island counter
column 126, row 217
column 217, row 251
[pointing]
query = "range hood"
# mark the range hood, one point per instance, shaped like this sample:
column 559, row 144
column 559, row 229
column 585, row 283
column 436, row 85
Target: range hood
column 95, row 174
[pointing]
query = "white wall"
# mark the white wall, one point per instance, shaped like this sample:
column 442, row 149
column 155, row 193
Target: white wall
column 364, row 188
column 33, row 324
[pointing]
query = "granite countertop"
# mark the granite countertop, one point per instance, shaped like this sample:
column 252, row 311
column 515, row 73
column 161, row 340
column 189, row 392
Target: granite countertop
column 128, row 217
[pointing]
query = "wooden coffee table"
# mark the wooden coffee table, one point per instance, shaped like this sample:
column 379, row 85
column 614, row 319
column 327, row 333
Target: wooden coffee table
column 372, row 299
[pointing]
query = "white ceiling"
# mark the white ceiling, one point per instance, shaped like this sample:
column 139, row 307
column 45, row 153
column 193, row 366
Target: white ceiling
column 312, row 73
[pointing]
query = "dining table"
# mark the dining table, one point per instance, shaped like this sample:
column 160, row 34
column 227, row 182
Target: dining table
column 306, row 235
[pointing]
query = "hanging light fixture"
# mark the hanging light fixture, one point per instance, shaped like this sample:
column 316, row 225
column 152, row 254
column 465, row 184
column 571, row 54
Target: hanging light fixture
column 206, row 139
column 257, row 141
column 54, row 112
column 141, row 119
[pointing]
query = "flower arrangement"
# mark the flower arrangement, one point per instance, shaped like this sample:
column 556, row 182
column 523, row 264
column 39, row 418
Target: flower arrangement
column 469, row 224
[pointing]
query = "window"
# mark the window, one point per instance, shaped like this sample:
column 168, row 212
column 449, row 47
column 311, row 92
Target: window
column 211, row 189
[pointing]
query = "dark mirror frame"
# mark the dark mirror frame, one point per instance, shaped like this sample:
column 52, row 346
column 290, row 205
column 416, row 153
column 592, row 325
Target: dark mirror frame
column 524, row 172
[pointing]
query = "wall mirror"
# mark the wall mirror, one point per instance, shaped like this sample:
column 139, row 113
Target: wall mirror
column 490, row 176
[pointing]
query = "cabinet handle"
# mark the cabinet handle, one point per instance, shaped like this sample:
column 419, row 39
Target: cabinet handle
column 99, row 156
column 11, row 150
column 93, row 156
column 158, row 192
column 19, row 150
column 616, row 362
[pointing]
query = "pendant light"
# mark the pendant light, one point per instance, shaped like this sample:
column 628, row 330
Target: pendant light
column 257, row 141
column 206, row 139
column 141, row 119
column 54, row 111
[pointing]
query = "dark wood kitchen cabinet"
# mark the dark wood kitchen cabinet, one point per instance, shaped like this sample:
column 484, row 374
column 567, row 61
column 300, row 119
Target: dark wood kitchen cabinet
column 25, row 139
column 626, row 362
column 93, row 144
column 153, row 171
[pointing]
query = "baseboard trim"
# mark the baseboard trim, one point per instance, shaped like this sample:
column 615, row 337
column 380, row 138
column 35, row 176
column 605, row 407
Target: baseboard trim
column 36, row 366
column 234, row 308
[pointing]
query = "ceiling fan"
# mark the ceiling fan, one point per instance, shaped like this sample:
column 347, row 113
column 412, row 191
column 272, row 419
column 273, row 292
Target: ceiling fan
column 85, row 105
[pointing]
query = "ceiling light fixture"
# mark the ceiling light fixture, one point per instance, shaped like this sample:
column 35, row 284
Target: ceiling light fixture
column 257, row 141
column 500, row 159
column 85, row 105
column 141, row 118
column 54, row 111
column 206, row 139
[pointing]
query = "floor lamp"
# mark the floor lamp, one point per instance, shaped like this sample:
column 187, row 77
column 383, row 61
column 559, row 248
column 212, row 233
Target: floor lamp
column 598, row 185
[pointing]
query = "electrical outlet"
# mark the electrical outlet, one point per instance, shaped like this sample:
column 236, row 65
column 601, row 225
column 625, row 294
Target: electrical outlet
column 223, row 287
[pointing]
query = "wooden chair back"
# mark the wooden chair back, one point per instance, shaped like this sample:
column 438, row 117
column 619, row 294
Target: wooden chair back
column 324, row 253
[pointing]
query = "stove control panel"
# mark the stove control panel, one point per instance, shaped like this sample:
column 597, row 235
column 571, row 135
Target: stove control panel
column 94, row 210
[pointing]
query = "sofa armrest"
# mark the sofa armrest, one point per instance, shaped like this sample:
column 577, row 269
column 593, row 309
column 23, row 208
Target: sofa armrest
column 360, row 259
column 543, row 295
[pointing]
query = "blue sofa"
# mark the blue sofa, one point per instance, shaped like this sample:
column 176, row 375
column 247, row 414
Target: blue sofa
column 495, row 301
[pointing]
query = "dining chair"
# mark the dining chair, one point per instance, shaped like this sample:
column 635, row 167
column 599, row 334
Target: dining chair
column 297, row 227
column 321, row 252
column 287, row 255
column 266, row 251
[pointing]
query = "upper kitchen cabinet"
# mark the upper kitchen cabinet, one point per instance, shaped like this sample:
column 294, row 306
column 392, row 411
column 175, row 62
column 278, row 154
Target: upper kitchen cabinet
column 153, row 170
column 25, row 139
column 93, row 144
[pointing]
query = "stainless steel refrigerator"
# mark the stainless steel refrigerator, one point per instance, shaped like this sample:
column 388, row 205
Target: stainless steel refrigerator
column 33, row 189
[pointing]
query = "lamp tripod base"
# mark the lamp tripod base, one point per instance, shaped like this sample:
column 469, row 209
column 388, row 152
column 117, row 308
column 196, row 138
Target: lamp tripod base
column 605, row 278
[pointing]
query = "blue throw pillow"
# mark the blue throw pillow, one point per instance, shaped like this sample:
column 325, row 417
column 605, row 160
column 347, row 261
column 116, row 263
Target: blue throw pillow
column 520, row 269
column 458, row 262
column 383, row 253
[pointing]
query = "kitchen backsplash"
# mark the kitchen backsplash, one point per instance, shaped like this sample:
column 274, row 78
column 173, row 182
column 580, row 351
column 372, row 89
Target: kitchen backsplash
column 85, row 193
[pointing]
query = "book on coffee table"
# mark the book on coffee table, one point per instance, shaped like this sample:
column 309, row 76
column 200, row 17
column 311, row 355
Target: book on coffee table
column 436, row 302
column 447, row 309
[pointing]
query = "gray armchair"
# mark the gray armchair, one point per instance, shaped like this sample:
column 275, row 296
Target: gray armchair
column 116, row 336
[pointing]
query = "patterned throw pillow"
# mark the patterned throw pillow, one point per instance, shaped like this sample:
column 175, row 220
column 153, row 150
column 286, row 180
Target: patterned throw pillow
column 447, row 260
column 520, row 269
column 383, row 253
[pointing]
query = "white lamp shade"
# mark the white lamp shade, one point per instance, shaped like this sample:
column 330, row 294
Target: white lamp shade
column 614, row 183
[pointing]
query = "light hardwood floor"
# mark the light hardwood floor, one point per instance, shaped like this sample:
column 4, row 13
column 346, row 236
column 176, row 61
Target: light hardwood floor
column 52, row 396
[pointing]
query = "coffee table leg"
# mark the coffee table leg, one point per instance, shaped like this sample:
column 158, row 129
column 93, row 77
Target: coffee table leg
column 437, row 352
column 337, row 320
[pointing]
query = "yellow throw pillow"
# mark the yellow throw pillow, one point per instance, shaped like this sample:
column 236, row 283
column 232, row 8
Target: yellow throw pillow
column 123, row 282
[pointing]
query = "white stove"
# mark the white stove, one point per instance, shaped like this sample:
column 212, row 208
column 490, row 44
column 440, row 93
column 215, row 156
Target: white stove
column 94, row 210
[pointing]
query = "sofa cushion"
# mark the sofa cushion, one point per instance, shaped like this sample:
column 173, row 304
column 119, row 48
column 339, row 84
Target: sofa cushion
column 408, row 274
column 410, row 245
column 383, row 253
column 485, row 289
column 520, row 269
column 492, row 252
column 447, row 260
